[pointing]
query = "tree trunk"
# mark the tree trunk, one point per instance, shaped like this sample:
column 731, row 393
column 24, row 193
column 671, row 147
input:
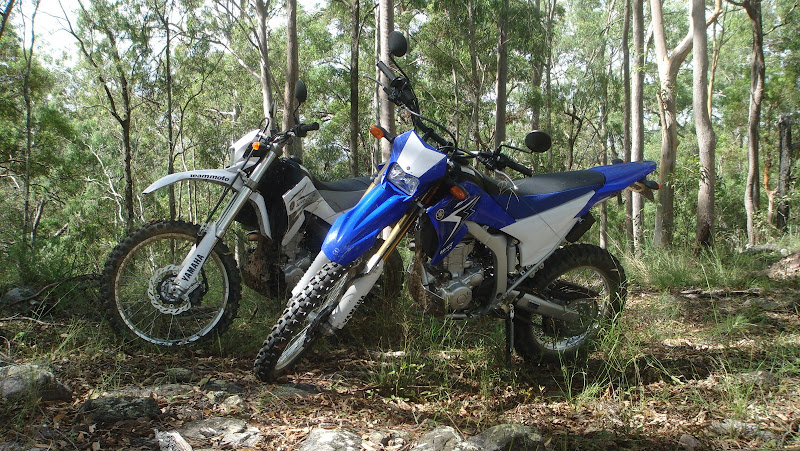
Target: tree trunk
column 292, row 75
column 757, row 73
column 6, row 15
column 386, row 8
column 551, row 11
column 355, row 34
column 262, row 11
column 502, row 75
column 164, row 19
column 626, row 117
column 637, row 118
column 784, row 173
column 477, row 76
column 706, row 139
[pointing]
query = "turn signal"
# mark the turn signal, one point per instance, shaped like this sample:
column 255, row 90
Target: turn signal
column 376, row 132
column 256, row 145
column 458, row 192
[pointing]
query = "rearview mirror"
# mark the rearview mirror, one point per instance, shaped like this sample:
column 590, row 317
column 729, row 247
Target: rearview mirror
column 300, row 91
column 398, row 45
column 538, row 141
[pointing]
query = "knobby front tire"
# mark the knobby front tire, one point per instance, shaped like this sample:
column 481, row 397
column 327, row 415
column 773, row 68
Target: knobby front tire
column 141, row 267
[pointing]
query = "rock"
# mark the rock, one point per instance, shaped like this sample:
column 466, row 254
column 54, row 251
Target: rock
column 181, row 375
column 223, row 385
column 172, row 441
column 223, row 432
column 504, row 437
column 330, row 440
column 689, row 442
column 31, row 382
column 234, row 403
column 440, row 439
column 164, row 391
column 785, row 268
column 760, row 378
column 17, row 295
column 110, row 409
column 294, row 390
column 740, row 429
column 387, row 440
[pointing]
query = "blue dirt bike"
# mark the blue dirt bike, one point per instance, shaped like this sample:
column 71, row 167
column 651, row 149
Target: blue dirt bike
column 483, row 247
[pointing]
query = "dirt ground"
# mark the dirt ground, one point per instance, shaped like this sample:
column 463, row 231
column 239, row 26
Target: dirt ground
column 683, row 370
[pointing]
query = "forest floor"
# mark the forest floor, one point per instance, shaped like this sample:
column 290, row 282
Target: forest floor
column 691, row 368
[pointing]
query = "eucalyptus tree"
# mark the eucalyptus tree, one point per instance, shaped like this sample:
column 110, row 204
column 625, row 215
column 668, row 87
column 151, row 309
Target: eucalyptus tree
column 669, row 62
column 114, row 49
column 7, row 9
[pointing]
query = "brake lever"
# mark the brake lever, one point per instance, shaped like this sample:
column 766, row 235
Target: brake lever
column 510, row 180
column 376, row 81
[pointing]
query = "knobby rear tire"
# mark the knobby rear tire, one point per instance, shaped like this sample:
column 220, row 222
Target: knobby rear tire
column 592, row 281
column 130, row 274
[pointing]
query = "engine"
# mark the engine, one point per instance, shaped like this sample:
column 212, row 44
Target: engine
column 454, row 281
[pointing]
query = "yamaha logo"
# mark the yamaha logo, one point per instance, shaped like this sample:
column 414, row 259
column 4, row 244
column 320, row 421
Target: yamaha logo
column 440, row 214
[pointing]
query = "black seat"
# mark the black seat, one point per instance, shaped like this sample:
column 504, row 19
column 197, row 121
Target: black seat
column 556, row 182
column 355, row 184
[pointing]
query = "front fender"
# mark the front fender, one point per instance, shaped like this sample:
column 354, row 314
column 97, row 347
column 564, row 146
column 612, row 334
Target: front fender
column 355, row 232
column 218, row 176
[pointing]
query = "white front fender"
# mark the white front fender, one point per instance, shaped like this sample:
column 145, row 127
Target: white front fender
column 220, row 177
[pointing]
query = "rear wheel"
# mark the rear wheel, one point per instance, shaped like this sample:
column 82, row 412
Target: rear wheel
column 583, row 277
column 138, row 275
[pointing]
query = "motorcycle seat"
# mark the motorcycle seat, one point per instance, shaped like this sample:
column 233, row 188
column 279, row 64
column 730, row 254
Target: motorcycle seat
column 346, row 185
column 556, row 182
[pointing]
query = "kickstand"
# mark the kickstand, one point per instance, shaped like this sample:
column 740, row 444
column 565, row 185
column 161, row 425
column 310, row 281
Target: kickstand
column 509, row 335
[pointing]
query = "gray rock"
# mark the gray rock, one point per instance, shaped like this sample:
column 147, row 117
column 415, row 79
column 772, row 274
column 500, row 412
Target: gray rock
column 110, row 409
column 504, row 437
column 440, row 439
column 689, row 442
column 223, row 385
column 739, row 429
column 222, row 432
column 234, row 403
column 171, row 441
column 181, row 375
column 387, row 440
column 330, row 440
column 294, row 390
column 164, row 391
column 17, row 295
column 31, row 382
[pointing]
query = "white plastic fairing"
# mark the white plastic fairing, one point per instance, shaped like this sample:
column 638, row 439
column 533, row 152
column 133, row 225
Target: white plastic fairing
column 540, row 234
column 218, row 176
column 238, row 148
column 417, row 159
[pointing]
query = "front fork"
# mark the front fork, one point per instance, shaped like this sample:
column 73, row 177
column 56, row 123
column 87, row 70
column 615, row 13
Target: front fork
column 365, row 280
column 215, row 230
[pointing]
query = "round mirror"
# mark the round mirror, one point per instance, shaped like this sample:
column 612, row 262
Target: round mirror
column 300, row 91
column 538, row 141
column 398, row 45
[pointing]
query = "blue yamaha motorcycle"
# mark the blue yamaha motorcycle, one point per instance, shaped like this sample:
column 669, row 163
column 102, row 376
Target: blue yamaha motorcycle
column 483, row 247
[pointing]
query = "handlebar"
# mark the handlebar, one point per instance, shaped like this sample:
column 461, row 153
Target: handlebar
column 301, row 130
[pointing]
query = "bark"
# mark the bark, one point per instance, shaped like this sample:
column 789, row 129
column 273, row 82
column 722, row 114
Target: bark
column 502, row 75
column 551, row 11
column 477, row 78
column 757, row 73
column 265, row 77
column 784, row 173
column 6, row 15
column 637, row 118
column 355, row 34
column 626, row 117
column 386, row 8
column 26, row 95
column 669, row 63
column 706, row 139
column 292, row 75
column 164, row 19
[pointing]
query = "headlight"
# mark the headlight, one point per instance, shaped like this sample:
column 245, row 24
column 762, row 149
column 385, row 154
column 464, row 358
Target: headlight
column 405, row 182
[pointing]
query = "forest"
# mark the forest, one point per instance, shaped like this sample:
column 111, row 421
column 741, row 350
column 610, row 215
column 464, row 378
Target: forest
column 100, row 98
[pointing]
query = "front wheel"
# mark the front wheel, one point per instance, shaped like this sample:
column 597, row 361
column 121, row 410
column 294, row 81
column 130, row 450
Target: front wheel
column 583, row 277
column 301, row 323
column 137, row 277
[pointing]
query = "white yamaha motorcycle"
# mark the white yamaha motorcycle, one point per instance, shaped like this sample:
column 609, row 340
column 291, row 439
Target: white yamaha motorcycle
column 172, row 282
